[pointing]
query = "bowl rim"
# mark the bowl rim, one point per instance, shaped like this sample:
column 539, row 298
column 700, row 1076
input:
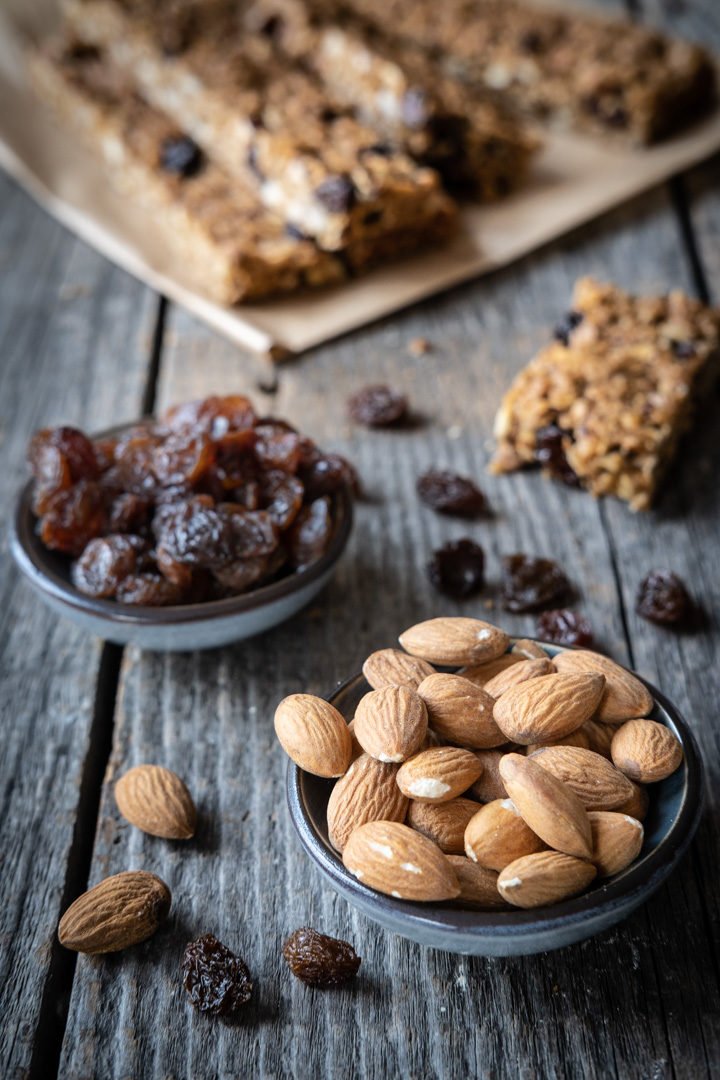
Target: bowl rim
column 621, row 893
column 29, row 560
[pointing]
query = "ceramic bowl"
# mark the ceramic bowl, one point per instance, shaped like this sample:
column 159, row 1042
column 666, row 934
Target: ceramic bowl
column 674, row 814
column 182, row 627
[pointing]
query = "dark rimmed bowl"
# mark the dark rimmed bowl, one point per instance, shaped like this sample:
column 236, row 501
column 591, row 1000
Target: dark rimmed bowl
column 674, row 814
column 182, row 627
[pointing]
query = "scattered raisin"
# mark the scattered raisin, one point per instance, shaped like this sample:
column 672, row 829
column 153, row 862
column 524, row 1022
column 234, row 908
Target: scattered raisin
column 567, row 324
column 564, row 627
column 105, row 562
column 217, row 980
column 662, row 598
column 319, row 960
column 458, row 568
column 449, row 493
column 531, row 584
column 378, row 406
column 550, row 454
column 180, row 155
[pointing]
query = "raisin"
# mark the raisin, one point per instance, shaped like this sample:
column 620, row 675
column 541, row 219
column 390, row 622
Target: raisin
column 319, row 960
column 310, row 534
column 195, row 534
column 151, row 590
column 564, row 627
column 378, row 406
column 458, row 568
column 565, row 327
column 105, row 562
column 74, row 517
column 216, row 979
column 531, row 584
column 328, row 473
column 282, row 497
column 550, row 454
column 75, row 447
column 278, row 447
column 180, row 155
column 214, row 416
column 449, row 493
column 662, row 598
column 337, row 194
column 252, row 532
column 237, row 577
column 129, row 513
column 182, row 459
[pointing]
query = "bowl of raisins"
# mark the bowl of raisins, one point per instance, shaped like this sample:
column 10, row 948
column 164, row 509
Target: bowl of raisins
column 670, row 820
column 209, row 525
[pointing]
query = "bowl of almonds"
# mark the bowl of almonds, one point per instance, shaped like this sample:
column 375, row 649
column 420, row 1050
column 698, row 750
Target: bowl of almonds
column 490, row 795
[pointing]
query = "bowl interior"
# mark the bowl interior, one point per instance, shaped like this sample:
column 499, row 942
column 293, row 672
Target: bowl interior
column 670, row 823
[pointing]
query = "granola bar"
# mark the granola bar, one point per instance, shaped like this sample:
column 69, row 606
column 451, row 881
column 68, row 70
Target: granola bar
column 327, row 175
column 573, row 69
column 603, row 407
column 475, row 142
column 215, row 225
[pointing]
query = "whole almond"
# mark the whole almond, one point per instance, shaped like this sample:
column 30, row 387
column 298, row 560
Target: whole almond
column 637, row 804
column 646, row 751
column 454, row 641
column 460, row 712
column 548, row 806
column 390, row 667
column 478, row 885
column 367, row 792
column 391, row 723
column 497, row 835
column 599, row 736
column 480, row 674
column 595, row 780
column 624, row 696
column 516, row 674
column 444, row 823
column 545, row 878
column 527, row 649
column 543, row 710
column 489, row 784
column 157, row 801
column 313, row 734
column 617, row 839
column 439, row 774
column 400, row 862
column 118, row 912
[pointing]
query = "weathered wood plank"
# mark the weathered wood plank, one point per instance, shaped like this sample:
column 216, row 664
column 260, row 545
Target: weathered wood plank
column 73, row 339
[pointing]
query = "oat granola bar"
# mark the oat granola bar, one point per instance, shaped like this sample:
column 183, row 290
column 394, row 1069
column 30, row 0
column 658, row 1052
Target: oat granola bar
column 475, row 142
column 226, row 239
column 603, row 407
column 267, row 120
column 573, row 69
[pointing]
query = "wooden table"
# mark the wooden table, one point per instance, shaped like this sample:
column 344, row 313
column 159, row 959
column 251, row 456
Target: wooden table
column 83, row 343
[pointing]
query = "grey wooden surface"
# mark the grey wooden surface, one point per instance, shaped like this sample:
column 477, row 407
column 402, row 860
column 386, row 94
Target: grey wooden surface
column 83, row 343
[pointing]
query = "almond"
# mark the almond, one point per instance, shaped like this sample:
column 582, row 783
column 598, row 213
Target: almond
column 489, row 785
column 454, row 641
column 595, row 780
column 624, row 697
column 120, row 911
column 517, row 673
column 478, row 885
column 545, row 878
column 480, row 674
column 156, row 800
column 391, row 723
column 313, row 734
column 390, row 667
column 367, row 792
column 439, row 774
column 547, row 805
column 497, row 834
column 400, row 862
column 637, row 804
column 460, row 712
column 646, row 751
column 444, row 823
column 525, row 648
column 617, row 839
column 599, row 736
column 543, row 710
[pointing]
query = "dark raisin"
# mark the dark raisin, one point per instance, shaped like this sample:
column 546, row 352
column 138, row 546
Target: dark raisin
column 378, row 406
column 337, row 194
column 310, row 533
column 684, row 350
column 531, row 584
column 550, row 454
column 449, row 493
column 217, row 980
column 414, row 107
column 319, row 960
column 105, row 562
column 458, row 568
column 567, row 324
column 180, row 155
column 564, row 627
column 662, row 598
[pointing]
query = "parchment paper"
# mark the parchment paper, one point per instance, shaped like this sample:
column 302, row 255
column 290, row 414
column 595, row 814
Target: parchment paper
column 574, row 180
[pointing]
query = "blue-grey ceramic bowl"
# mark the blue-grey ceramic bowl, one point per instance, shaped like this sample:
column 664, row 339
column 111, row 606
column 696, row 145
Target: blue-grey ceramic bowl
column 673, row 816
column 183, row 627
